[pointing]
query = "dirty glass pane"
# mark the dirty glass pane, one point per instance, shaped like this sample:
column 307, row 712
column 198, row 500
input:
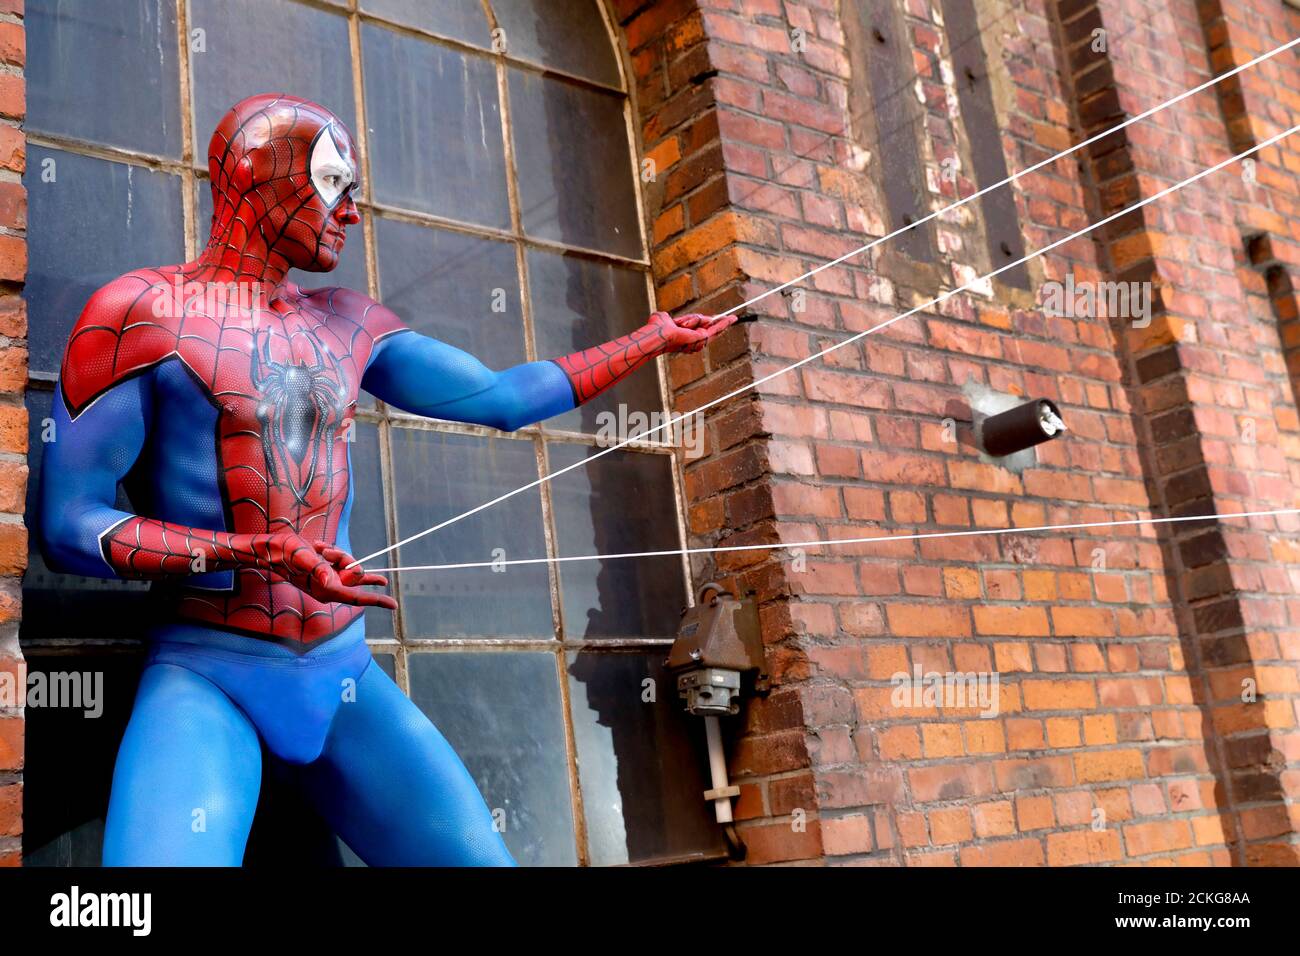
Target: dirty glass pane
column 438, row 475
column 578, row 303
column 126, row 217
column 387, row 663
column 458, row 19
column 569, row 35
column 435, row 129
column 501, row 714
column 367, row 529
column 621, row 502
column 266, row 46
column 105, row 72
column 575, row 172
column 459, row 289
column 642, row 761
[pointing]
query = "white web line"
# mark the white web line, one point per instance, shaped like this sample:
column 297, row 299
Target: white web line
column 836, row 542
column 926, row 305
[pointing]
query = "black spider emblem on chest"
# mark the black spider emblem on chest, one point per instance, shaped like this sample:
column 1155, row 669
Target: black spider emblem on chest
column 301, row 405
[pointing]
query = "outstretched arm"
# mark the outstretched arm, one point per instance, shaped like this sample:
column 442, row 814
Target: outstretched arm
column 427, row 377
column 81, row 531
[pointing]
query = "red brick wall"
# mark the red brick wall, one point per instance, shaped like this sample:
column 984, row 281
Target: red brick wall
column 1216, row 401
column 13, row 415
column 1122, row 734
column 1121, row 685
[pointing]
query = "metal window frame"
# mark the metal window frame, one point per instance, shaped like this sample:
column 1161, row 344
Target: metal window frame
column 192, row 176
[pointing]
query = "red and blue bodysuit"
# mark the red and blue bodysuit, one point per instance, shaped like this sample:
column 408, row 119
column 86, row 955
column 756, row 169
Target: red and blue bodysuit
column 222, row 396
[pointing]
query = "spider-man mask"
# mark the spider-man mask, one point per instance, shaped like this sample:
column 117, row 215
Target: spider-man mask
column 284, row 172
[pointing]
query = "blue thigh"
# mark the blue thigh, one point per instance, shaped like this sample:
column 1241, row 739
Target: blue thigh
column 392, row 787
column 187, row 776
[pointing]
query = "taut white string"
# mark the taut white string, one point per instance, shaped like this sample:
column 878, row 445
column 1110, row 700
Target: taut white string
column 835, row 542
column 939, row 299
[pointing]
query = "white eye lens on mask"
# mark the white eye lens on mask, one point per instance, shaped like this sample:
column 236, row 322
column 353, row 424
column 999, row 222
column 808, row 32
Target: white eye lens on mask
column 330, row 173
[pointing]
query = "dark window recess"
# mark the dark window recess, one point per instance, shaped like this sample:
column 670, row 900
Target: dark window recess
column 1261, row 252
column 879, row 53
column 974, row 96
column 70, row 756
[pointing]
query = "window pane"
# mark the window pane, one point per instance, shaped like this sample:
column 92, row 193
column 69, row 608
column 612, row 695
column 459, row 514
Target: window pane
column 569, row 35
column 267, row 46
column 367, row 527
column 449, row 286
column 437, row 475
column 642, row 764
column 387, row 663
column 457, row 19
column 578, row 303
column 126, row 217
column 575, row 172
column 350, row 273
column 435, row 129
column 501, row 714
column 105, row 72
column 621, row 502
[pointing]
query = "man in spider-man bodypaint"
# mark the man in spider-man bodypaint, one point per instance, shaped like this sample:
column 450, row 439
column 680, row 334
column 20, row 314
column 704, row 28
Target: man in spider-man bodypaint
column 227, row 416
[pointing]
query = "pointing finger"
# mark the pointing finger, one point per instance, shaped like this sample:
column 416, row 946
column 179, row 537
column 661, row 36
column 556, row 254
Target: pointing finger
column 720, row 325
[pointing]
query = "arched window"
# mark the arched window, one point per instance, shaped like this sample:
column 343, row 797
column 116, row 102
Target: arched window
column 500, row 214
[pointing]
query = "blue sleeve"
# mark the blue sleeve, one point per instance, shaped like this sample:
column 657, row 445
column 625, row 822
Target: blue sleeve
column 427, row 377
column 82, row 464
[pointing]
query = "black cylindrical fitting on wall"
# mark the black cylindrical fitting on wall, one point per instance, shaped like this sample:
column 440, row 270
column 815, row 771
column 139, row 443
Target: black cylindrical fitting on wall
column 1021, row 427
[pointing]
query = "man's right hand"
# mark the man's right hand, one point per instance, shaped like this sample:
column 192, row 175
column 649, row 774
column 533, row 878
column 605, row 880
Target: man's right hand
column 688, row 333
column 321, row 570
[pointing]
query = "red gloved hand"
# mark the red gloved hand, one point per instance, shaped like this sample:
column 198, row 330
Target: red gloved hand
column 321, row 570
column 688, row 333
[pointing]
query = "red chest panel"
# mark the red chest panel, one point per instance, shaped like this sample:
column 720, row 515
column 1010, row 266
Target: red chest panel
column 284, row 381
